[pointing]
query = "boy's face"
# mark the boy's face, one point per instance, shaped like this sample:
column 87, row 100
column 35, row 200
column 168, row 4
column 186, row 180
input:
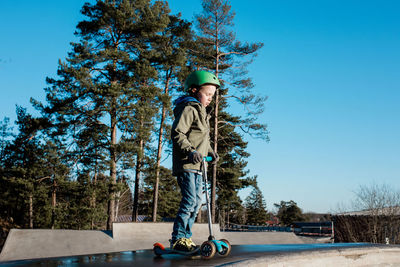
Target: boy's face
column 205, row 94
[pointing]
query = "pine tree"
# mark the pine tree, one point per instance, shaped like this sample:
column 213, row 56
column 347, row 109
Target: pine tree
column 104, row 100
column 5, row 135
column 289, row 212
column 33, row 171
column 168, row 192
column 141, row 122
column 172, row 45
column 218, row 50
column 255, row 207
column 57, row 170
column 23, row 171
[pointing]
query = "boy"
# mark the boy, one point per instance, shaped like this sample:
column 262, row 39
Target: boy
column 191, row 142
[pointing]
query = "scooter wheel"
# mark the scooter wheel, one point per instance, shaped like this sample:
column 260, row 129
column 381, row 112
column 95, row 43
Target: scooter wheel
column 208, row 250
column 225, row 250
column 157, row 251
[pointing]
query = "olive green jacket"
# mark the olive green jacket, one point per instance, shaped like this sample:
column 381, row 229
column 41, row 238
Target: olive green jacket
column 190, row 132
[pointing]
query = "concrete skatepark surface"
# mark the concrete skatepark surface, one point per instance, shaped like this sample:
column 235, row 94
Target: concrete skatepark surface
column 131, row 244
column 243, row 255
column 42, row 243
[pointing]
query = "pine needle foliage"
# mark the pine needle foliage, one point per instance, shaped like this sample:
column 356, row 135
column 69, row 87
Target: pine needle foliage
column 218, row 50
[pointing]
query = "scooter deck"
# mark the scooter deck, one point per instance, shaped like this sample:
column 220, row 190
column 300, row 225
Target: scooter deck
column 159, row 250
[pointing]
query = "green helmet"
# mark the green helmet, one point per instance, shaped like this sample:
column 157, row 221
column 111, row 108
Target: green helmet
column 200, row 77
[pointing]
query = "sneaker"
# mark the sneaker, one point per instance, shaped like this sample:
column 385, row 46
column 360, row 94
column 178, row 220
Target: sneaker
column 191, row 243
column 182, row 244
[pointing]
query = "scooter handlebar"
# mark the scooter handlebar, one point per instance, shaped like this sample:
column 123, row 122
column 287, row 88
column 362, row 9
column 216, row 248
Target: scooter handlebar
column 208, row 159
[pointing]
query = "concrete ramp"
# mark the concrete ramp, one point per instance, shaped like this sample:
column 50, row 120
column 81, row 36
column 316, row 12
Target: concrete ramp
column 33, row 244
column 42, row 243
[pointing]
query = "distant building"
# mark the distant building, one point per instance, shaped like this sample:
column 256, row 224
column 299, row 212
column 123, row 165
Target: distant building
column 128, row 218
column 273, row 222
column 373, row 212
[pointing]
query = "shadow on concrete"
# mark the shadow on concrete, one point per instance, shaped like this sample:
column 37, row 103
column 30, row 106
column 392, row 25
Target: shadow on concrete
column 240, row 255
column 108, row 232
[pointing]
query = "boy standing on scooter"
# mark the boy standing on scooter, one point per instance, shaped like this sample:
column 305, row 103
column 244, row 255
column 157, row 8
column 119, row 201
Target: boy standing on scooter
column 190, row 136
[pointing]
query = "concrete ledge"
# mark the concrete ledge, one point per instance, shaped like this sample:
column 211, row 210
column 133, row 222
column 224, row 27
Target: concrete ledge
column 373, row 256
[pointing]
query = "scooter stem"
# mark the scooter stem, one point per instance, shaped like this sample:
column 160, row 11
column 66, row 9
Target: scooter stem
column 211, row 237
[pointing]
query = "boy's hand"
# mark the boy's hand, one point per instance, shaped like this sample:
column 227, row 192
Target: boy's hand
column 215, row 157
column 195, row 157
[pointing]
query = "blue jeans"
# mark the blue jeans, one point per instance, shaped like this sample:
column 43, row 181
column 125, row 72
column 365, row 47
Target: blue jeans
column 191, row 190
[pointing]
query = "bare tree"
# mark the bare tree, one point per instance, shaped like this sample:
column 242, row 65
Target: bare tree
column 375, row 216
column 377, row 199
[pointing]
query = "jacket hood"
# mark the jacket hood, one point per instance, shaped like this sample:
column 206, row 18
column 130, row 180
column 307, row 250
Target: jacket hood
column 181, row 102
column 184, row 99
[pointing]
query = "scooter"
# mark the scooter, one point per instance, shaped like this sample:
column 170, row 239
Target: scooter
column 210, row 247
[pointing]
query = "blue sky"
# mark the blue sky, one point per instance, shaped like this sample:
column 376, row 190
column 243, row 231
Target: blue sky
column 330, row 70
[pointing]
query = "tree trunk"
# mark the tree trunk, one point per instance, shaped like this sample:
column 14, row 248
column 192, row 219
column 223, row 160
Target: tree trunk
column 227, row 224
column 159, row 150
column 30, row 211
column 214, row 167
column 198, row 220
column 93, row 200
column 53, row 203
column 135, row 210
column 118, row 195
column 113, row 170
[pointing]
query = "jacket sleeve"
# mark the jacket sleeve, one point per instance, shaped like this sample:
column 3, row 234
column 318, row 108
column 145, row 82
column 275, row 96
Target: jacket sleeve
column 210, row 149
column 180, row 129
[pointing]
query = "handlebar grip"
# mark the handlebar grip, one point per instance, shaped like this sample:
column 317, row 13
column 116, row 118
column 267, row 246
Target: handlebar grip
column 208, row 159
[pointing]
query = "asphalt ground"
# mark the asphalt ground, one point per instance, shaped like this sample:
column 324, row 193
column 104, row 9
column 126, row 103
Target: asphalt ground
column 239, row 254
